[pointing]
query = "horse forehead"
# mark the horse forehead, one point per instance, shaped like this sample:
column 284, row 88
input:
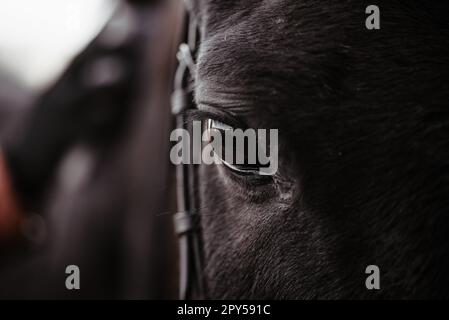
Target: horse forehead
column 234, row 72
column 257, row 37
column 278, row 62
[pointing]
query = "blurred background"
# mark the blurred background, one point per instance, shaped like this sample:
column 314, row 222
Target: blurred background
column 84, row 124
column 40, row 38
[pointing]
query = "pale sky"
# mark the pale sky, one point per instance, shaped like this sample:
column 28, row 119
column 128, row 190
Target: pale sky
column 38, row 38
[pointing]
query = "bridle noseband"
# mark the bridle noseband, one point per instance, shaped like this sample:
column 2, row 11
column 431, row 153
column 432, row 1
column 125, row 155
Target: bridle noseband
column 187, row 222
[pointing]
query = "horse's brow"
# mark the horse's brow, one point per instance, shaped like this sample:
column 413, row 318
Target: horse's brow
column 234, row 100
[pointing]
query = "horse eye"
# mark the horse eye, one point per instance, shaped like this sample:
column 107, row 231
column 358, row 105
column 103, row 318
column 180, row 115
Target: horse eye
column 249, row 165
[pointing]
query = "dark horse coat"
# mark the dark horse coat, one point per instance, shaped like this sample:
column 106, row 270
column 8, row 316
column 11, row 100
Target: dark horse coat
column 363, row 125
column 363, row 163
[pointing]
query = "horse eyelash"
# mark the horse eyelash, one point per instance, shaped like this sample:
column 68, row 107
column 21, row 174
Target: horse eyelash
column 201, row 115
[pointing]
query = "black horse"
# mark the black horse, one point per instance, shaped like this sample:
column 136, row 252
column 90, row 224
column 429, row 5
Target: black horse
column 363, row 162
column 363, row 157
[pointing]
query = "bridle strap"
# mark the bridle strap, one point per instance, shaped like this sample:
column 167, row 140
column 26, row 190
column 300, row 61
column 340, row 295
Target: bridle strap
column 191, row 282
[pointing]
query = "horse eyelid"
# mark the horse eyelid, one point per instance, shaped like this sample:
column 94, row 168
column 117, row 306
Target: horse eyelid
column 217, row 115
